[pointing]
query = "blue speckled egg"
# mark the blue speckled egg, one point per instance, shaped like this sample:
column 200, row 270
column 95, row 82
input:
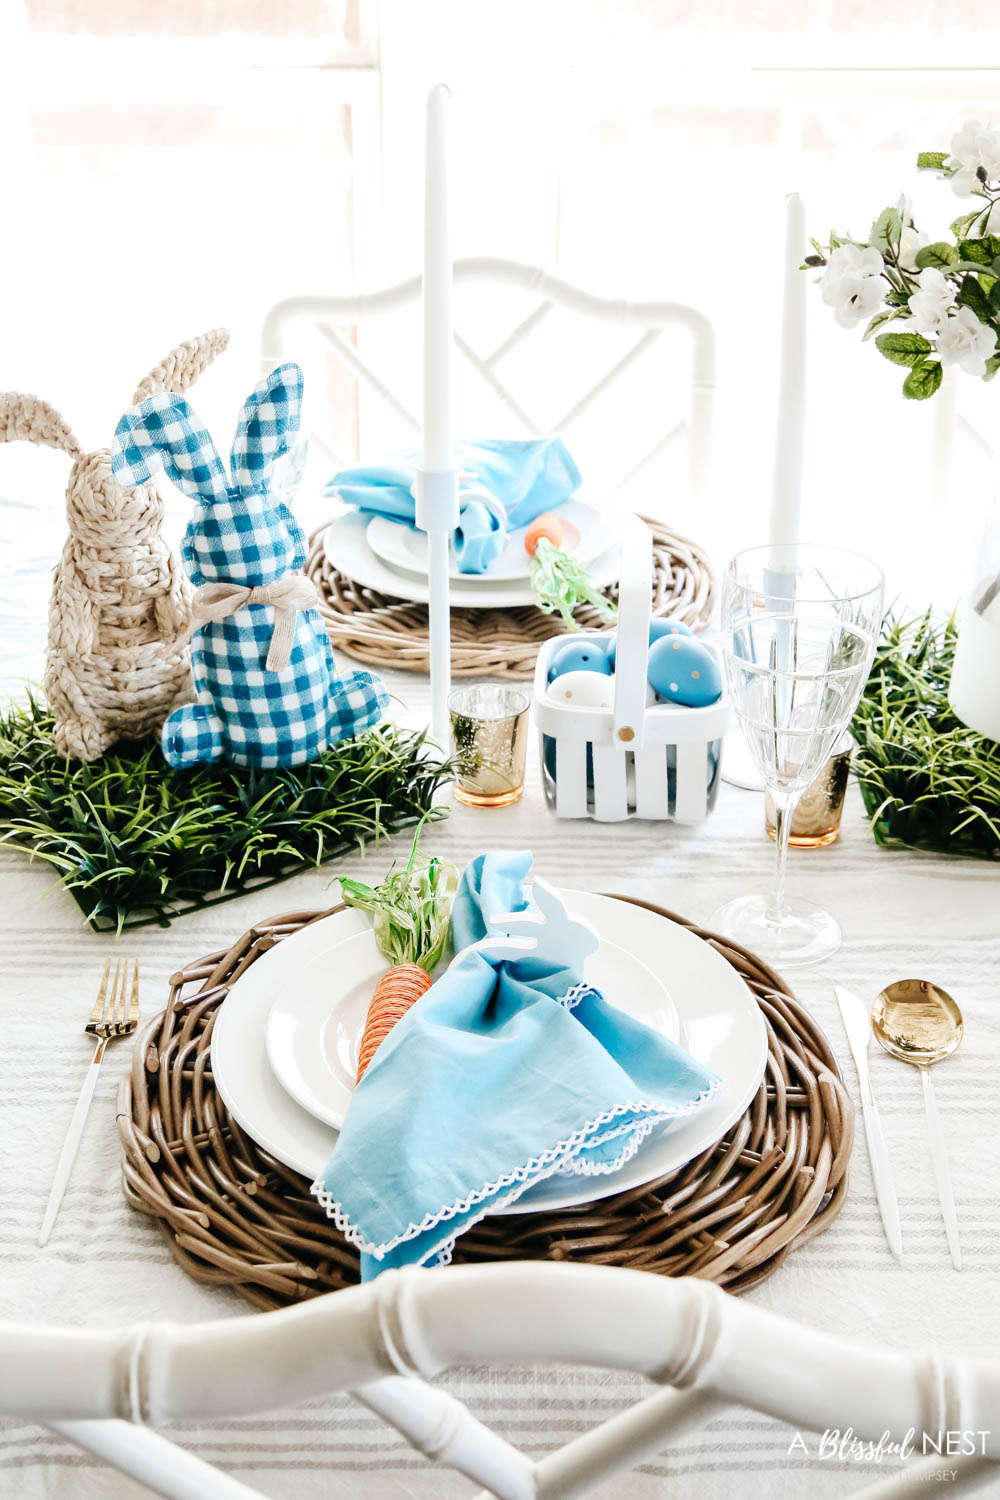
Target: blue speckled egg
column 657, row 629
column 684, row 671
column 579, row 656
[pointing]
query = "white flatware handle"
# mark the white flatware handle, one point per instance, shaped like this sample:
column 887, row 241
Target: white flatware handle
column 70, row 1147
column 942, row 1174
column 878, row 1155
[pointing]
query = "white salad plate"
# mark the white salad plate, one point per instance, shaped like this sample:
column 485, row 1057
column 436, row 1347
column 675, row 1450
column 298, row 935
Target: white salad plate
column 314, row 1029
column 589, row 534
column 720, row 1025
column 346, row 544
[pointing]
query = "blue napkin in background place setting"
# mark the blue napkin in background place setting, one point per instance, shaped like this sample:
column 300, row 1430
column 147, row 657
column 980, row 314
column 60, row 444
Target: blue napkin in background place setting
column 527, row 477
column 502, row 1074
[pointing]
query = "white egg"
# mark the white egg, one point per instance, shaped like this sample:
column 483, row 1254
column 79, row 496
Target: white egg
column 582, row 690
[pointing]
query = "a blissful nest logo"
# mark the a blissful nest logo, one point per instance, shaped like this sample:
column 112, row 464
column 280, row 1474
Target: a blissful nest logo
column 843, row 1445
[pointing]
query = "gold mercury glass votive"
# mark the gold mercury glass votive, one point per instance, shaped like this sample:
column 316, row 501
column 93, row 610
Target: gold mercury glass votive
column 816, row 819
column 489, row 734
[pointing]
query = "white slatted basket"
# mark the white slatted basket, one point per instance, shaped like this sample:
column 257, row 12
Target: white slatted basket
column 635, row 760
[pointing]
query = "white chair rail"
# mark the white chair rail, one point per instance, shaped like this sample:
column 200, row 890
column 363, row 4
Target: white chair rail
column 105, row 1388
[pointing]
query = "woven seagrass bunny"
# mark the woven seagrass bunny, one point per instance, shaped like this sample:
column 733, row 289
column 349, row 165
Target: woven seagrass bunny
column 268, row 693
column 118, row 657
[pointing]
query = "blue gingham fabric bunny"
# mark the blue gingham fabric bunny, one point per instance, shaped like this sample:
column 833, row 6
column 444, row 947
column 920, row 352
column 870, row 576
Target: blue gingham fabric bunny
column 268, row 693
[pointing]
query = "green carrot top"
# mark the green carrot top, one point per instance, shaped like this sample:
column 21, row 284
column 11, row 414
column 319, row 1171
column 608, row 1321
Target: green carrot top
column 560, row 583
column 411, row 908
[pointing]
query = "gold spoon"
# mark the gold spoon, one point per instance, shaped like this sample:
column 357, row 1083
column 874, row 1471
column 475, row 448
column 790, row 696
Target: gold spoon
column 919, row 1023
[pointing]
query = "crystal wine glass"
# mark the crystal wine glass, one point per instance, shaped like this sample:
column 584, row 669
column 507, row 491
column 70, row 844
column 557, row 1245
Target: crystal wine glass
column 800, row 625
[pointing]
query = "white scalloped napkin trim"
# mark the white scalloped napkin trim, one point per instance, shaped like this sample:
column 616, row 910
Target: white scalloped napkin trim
column 558, row 1158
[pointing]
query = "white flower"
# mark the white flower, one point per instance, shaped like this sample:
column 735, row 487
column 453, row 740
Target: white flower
column 929, row 307
column 975, row 145
column 853, row 284
column 962, row 340
column 910, row 241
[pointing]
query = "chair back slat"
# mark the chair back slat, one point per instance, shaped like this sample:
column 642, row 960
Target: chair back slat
column 385, row 1340
column 618, row 456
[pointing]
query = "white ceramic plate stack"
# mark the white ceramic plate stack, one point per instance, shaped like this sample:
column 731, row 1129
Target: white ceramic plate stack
column 391, row 556
column 285, row 1041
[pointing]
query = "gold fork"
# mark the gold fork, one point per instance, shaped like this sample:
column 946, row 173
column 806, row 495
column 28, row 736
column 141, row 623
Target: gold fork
column 109, row 1020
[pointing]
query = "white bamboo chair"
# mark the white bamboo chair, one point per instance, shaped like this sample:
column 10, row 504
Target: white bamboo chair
column 102, row 1387
column 330, row 316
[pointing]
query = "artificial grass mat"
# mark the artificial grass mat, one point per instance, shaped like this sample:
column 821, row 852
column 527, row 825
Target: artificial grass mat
column 137, row 842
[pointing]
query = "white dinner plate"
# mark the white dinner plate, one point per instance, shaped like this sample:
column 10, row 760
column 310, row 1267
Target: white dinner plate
column 346, row 544
column 720, row 1023
column 405, row 549
column 314, row 1028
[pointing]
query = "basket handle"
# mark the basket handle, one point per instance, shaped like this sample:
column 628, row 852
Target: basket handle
column 633, row 634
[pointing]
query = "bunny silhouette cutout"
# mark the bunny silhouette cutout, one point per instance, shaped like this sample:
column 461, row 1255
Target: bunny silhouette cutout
column 268, row 692
column 546, row 931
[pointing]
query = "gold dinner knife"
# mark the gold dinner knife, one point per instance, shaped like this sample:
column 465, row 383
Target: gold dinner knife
column 857, row 1024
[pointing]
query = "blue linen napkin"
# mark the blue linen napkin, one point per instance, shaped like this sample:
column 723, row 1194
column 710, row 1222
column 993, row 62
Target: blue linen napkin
column 502, row 1074
column 527, row 477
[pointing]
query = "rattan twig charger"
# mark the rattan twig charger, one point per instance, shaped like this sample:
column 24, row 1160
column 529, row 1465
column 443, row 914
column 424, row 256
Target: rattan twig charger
column 233, row 1216
column 387, row 632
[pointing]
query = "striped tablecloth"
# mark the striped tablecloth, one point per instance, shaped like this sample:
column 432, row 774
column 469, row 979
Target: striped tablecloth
column 902, row 914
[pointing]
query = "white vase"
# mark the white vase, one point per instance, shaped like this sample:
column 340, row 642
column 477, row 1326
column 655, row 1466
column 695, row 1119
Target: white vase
column 974, row 691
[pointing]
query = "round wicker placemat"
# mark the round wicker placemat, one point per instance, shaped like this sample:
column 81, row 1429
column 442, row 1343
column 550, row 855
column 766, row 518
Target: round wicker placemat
column 233, row 1216
column 388, row 632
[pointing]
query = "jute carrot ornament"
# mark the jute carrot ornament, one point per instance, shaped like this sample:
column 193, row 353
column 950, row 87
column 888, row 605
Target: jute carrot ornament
column 548, row 526
column 411, row 910
column 560, row 582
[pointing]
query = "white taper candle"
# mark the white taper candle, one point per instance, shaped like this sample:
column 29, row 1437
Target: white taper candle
column 786, row 502
column 437, row 476
column 439, row 433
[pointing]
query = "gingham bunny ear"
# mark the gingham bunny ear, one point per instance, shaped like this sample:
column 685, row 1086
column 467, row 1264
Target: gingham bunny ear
column 267, row 427
column 164, row 433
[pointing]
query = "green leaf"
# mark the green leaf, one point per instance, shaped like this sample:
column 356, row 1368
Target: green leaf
column 983, row 251
column 971, row 294
column 938, row 254
column 992, row 366
column 931, row 161
column 903, row 348
column 960, row 227
column 993, row 298
column 886, row 230
column 886, row 315
column 922, row 381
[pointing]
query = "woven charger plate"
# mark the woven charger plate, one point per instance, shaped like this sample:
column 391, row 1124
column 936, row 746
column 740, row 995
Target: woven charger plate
column 233, row 1216
column 387, row 632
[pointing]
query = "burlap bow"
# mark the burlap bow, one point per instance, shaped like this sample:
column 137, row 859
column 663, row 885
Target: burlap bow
column 287, row 595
